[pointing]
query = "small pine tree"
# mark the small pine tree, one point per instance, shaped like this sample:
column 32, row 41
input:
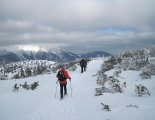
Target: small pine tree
column 28, row 72
column 141, row 90
column 22, row 73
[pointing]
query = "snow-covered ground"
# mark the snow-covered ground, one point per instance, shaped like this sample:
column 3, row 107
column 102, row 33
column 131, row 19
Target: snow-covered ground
column 41, row 103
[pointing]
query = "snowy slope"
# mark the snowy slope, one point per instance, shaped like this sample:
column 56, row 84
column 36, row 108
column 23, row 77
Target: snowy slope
column 41, row 103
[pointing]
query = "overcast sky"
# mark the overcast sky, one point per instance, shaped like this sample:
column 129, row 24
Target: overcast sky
column 78, row 25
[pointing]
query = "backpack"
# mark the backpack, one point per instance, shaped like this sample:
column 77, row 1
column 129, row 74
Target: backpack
column 61, row 76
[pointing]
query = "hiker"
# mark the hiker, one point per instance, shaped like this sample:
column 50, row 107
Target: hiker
column 83, row 64
column 62, row 76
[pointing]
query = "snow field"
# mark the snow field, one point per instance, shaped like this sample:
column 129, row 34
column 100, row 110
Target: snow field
column 41, row 103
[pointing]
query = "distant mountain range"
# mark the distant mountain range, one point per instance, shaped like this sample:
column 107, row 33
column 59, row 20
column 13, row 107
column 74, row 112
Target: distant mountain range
column 56, row 54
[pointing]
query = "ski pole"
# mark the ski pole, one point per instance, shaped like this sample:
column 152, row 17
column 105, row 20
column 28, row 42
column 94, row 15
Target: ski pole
column 56, row 89
column 71, row 89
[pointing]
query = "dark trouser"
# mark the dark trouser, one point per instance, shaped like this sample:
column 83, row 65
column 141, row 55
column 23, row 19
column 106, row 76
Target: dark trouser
column 63, row 86
column 82, row 69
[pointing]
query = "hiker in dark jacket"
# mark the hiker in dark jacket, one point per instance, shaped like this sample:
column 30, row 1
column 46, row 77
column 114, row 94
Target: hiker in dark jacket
column 83, row 64
column 62, row 76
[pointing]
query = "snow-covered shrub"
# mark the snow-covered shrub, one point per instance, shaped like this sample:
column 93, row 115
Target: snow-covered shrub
column 108, row 85
column 148, row 70
column 26, row 86
column 72, row 68
column 116, row 73
column 109, row 64
column 15, row 88
column 25, row 69
column 117, row 88
column 141, row 90
column 55, row 68
column 124, row 84
column 102, row 78
column 105, row 107
column 34, row 85
column 112, row 80
column 133, row 106
column 101, row 90
column 16, row 76
column 127, row 64
column 3, row 77
column 152, row 52
column 145, row 75
column 114, row 85
column 151, row 68
column 48, row 71
column 133, row 60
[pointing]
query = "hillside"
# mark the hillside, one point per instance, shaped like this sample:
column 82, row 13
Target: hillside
column 41, row 104
column 55, row 54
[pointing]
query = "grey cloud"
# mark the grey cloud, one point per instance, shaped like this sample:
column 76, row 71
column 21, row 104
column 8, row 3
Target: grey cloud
column 83, row 14
column 85, row 24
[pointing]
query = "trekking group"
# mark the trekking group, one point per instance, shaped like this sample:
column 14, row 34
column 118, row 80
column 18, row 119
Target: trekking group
column 63, row 75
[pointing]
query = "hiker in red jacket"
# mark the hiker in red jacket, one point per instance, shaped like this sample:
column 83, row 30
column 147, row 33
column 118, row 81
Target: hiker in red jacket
column 62, row 76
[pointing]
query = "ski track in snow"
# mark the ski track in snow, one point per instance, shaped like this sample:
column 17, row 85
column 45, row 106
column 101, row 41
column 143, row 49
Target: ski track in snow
column 41, row 103
column 55, row 109
column 52, row 109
